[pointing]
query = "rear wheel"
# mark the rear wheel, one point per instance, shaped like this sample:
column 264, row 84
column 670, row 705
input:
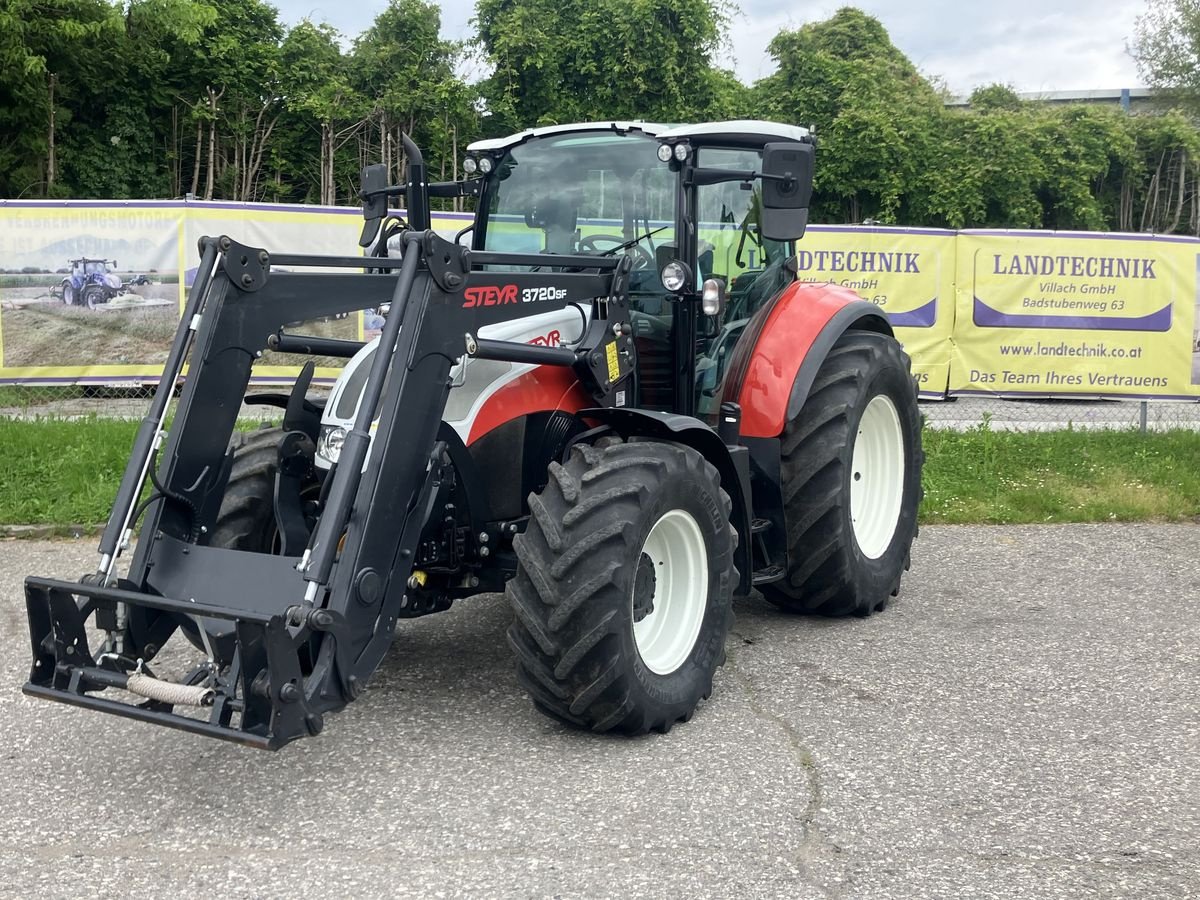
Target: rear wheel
column 623, row 591
column 852, row 481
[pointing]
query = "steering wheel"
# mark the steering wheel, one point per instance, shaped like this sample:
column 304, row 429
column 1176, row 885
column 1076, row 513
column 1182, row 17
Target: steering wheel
column 642, row 258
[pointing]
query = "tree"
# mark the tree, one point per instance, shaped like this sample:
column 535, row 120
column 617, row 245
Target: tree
column 228, row 86
column 993, row 97
column 125, row 138
column 876, row 117
column 403, row 68
column 1166, row 46
column 578, row 60
column 318, row 93
column 51, row 52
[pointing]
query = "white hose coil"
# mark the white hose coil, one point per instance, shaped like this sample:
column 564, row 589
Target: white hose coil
column 169, row 692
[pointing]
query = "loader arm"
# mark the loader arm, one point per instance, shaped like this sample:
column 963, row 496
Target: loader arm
column 288, row 639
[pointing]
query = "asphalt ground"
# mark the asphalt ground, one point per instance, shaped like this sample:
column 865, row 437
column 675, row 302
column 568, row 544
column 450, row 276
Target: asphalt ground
column 1023, row 722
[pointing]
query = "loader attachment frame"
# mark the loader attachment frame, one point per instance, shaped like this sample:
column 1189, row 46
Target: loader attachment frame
column 288, row 639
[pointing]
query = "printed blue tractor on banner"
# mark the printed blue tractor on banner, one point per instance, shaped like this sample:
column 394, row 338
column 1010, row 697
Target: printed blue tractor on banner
column 91, row 283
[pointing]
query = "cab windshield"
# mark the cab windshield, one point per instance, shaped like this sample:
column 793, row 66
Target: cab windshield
column 595, row 193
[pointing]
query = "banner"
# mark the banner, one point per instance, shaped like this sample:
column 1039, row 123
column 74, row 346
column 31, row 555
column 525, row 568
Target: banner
column 321, row 231
column 909, row 273
column 88, row 291
column 1107, row 315
column 91, row 292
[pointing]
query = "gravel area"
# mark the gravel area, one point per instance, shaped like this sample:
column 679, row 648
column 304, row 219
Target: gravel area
column 1023, row 722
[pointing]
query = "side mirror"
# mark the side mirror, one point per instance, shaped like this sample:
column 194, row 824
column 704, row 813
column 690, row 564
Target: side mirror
column 372, row 184
column 787, row 190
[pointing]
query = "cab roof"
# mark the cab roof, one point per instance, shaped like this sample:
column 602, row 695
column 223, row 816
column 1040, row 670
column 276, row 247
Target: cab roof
column 491, row 145
column 737, row 132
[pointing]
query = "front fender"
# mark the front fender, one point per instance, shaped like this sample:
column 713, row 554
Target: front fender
column 775, row 362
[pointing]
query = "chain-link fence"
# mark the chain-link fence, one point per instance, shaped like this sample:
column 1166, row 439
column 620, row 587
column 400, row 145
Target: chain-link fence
column 958, row 413
column 962, row 413
column 114, row 402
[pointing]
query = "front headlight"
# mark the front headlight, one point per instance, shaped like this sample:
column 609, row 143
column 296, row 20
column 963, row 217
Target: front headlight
column 674, row 276
column 330, row 445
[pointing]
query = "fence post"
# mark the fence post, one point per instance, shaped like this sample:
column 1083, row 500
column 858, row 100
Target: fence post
column 1142, row 415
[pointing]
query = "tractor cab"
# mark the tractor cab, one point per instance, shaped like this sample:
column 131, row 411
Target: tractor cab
column 683, row 203
column 92, row 266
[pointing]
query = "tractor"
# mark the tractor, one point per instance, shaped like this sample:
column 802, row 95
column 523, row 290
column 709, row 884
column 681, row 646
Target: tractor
column 608, row 397
column 91, row 283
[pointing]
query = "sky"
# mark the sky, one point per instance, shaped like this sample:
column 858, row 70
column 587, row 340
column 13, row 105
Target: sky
column 1034, row 45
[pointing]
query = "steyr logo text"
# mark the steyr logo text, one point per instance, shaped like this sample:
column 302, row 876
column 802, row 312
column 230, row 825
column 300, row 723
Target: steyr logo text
column 491, row 295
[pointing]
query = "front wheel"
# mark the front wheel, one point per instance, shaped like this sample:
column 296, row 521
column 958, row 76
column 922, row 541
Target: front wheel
column 246, row 520
column 851, row 466
column 93, row 296
column 623, row 593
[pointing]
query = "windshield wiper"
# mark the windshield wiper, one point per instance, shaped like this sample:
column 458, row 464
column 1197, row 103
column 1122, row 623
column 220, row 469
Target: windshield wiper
column 636, row 240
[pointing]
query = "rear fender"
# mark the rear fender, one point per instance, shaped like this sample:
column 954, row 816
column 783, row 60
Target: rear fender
column 776, row 361
column 732, row 463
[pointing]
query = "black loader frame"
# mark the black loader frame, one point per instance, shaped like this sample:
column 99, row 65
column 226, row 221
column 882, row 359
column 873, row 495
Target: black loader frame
column 291, row 637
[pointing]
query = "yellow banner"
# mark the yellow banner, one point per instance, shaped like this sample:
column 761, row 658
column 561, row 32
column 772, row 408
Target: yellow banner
column 91, row 292
column 324, row 232
column 909, row 273
column 88, row 291
column 1095, row 314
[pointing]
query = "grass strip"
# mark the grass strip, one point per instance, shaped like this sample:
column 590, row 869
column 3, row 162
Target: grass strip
column 1004, row 477
column 65, row 472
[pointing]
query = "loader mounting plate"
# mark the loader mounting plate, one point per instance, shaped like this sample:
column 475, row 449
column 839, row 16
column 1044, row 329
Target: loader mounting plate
column 259, row 697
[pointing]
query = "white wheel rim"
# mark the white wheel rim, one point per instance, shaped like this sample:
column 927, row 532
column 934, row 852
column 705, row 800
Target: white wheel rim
column 666, row 635
column 877, row 477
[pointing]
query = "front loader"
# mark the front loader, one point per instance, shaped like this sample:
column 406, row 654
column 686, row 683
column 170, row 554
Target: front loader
column 565, row 403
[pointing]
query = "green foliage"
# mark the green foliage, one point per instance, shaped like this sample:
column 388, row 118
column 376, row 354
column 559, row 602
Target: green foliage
column 995, row 97
column 889, row 148
column 158, row 98
column 1166, row 46
column 50, row 52
column 873, row 112
column 579, row 60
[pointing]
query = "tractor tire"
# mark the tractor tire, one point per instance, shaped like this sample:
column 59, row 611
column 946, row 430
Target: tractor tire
column 246, row 520
column 93, row 296
column 623, row 593
column 68, row 294
column 851, row 471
